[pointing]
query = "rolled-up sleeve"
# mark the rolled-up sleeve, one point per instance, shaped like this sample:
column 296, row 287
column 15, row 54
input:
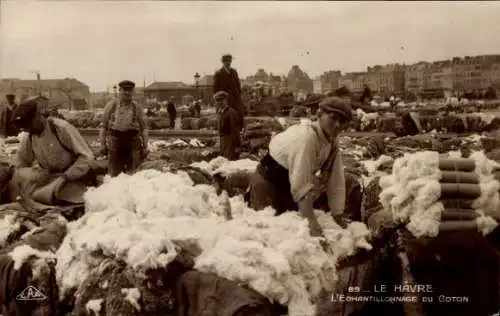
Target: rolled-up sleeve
column 72, row 139
column 103, row 133
column 336, row 187
column 301, row 160
column 143, row 124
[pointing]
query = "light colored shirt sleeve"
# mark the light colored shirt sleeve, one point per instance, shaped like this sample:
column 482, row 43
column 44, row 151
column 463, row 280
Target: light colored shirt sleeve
column 143, row 127
column 105, row 124
column 25, row 156
column 336, row 190
column 301, row 159
column 72, row 139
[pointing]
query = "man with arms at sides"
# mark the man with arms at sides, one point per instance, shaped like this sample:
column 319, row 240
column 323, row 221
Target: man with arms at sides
column 227, row 79
column 64, row 159
column 303, row 162
column 229, row 126
column 124, row 136
column 6, row 127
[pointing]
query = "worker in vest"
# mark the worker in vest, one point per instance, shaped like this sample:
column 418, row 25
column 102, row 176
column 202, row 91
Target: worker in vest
column 64, row 159
column 6, row 127
column 124, row 132
column 229, row 126
column 302, row 163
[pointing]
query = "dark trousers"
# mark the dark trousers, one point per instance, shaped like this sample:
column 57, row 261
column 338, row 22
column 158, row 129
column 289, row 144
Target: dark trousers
column 265, row 193
column 172, row 121
column 124, row 153
column 228, row 145
column 125, row 161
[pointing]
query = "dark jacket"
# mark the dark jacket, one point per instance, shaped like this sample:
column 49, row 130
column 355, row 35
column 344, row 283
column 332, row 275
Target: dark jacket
column 228, row 122
column 172, row 111
column 229, row 82
column 7, row 128
column 229, row 130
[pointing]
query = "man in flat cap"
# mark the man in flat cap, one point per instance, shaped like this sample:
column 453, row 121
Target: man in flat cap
column 229, row 126
column 6, row 127
column 123, row 134
column 227, row 79
column 302, row 163
column 64, row 159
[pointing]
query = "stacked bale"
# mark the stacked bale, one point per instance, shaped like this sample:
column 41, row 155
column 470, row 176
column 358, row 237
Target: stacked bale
column 256, row 136
column 449, row 199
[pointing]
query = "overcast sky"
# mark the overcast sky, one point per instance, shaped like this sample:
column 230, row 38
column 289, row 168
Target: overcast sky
column 101, row 42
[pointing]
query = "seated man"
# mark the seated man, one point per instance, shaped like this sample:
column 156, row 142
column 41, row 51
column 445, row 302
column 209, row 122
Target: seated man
column 63, row 157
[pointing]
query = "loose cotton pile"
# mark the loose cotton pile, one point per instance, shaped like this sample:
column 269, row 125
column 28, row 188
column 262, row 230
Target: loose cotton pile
column 143, row 220
column 412, row 193
column 224, row 167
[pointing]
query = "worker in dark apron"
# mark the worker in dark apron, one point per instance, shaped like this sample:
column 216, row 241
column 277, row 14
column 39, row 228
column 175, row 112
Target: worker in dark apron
column 229, row 126
column 303, row 162
column 124, row 132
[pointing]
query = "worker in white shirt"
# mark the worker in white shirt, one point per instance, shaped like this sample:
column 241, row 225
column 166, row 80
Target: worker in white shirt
column 304, row 162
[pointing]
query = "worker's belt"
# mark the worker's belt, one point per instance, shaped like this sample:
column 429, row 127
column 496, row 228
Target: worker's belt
column 128, row 134
column 275, row 173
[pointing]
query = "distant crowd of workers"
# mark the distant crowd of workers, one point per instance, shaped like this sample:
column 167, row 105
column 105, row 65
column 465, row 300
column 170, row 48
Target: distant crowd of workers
column 302, row 165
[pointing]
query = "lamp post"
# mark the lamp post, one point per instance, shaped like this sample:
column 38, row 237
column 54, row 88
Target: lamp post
column 114, row 91
column 196, row 84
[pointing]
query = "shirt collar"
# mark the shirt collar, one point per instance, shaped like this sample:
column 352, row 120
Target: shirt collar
column 228, row 70
column 322, row 137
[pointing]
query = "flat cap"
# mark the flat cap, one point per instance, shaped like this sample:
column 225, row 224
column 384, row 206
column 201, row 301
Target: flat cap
column 10, row 95
column 126, row 84
column 336, row 105
column 227, row 57
column 220, row 95
column 25, row 111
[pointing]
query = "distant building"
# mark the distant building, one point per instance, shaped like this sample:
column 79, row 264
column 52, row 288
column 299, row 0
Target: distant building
column 330, row 80
column 387, row 79
column 298, row 80
column 162, row 91
column 67, row 92
column 318, row 85
column 475, row 73
column 354, row 81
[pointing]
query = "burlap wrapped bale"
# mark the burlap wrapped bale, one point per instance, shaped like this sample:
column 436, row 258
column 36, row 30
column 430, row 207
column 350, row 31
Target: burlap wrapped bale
column 386, row 124
column 156, row 286
column 355, row 124
column 163, row 123
column 195, row 123
column 203, row 122
column 189, row 155
column 212, row 123
column 186, row 123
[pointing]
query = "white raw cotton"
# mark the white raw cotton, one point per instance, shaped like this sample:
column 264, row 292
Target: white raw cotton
column 411, row 193
column 225, row 167
column 9, row 224
column 144, row 218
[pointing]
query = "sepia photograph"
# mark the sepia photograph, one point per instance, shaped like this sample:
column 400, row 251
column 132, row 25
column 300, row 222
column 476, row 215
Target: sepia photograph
column 249, row 158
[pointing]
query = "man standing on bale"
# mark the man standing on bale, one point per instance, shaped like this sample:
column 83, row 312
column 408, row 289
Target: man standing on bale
column 227, row 79
column 303, row 162
column 124, row 135
column 6, row 127
column 229, row 126
column 64, row 158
